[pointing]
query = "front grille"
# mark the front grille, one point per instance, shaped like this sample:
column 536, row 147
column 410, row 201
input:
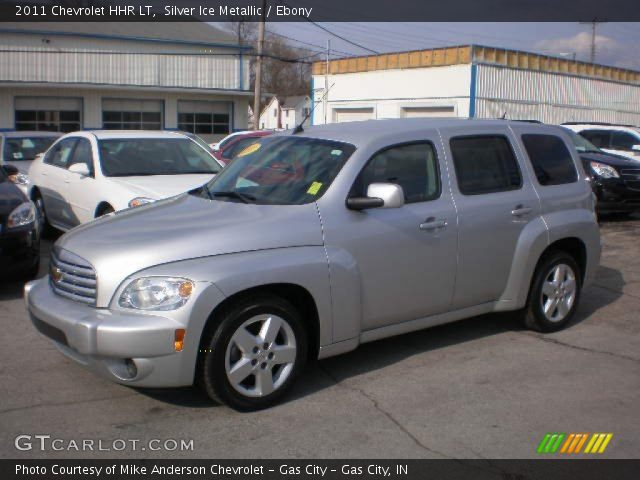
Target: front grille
column 631, row 177
column 49, row 331
column 72, row 277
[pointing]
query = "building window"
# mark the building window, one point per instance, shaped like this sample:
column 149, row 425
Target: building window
column 204, row 123
column 275, row 113
column 53, row 114
column 127, row 114
column 204, row 118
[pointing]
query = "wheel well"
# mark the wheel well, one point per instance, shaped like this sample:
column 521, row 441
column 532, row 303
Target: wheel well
column 298, row 296
column 100, row 208
column 574, row 247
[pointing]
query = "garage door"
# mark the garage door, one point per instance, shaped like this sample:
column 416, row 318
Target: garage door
column 414, row 112
column 130, row 114
column 352, row 114
column 211, row 120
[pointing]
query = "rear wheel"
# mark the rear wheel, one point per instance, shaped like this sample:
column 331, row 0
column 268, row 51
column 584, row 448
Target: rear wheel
column 254, row 354
column 555, row 293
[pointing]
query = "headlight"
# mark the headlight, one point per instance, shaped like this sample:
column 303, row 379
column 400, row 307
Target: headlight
column 19, row 179
column 136, row 202
column 604, row 171
column 22, row 215
column 156, row 293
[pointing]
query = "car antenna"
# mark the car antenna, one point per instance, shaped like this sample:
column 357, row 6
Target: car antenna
column 299, row 128
column 504, row 116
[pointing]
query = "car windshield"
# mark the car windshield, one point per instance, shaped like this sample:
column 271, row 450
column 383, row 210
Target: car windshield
column 582, row 144
column 226, row 140
column 25, row 148
column 199, row 140
column 127, row 157
column 282, row 170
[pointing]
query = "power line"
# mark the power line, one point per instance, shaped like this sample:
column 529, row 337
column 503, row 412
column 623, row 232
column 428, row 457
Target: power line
column 333, row 33
column 322, row 49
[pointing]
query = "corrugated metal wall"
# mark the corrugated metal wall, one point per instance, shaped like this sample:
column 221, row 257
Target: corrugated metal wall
column 81, row 66
column 553, row 98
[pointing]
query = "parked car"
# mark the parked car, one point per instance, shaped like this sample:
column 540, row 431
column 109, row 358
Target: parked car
column 218, row 145
column 85, row 175
column 391, row 226
column 239, row 142
column 20, row 149
column 19, row 232
column 615, row 179
column 617, row 139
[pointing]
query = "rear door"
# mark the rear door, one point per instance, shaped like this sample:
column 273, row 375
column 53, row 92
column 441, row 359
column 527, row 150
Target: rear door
column 495, row 202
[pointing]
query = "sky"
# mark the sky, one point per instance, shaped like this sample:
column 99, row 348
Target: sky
column 616, row 43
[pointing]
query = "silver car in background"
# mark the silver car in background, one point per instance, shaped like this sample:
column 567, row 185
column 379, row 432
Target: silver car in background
column 309, row 244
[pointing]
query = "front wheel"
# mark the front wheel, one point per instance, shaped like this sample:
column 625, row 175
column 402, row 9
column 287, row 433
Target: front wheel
column 253, row 356
column 555, row 293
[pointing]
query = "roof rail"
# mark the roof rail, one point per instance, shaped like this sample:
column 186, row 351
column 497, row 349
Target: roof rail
column 600, row 123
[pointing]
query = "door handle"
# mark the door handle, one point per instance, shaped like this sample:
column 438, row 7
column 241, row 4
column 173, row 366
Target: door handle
column 521, row 211
column 432, row 224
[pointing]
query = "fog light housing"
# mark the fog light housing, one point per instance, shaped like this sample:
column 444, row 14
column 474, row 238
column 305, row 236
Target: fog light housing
column 132, row 369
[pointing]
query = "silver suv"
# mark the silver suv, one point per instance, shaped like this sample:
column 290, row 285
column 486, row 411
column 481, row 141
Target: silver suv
column 310, row 243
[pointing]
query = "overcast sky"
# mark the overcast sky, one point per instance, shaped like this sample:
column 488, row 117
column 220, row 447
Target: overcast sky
column 617, row 44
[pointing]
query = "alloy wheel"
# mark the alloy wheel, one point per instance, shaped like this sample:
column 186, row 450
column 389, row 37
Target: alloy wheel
column 558, row 292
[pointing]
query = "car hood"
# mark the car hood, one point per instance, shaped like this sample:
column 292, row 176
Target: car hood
column 182, row 228
column 22, row 166
column 161, row 186
column 611, row 159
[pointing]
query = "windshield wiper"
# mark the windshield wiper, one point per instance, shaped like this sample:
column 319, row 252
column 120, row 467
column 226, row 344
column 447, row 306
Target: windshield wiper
column 243, row 197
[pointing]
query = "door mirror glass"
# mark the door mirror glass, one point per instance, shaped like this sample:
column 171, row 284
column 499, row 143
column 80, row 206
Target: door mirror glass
column 379, row 195
column 81, row 169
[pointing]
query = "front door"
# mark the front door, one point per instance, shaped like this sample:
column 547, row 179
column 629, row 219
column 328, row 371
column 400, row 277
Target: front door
column 405, row 256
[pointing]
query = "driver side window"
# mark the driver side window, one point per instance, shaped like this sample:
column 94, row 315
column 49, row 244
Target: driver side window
column 59, row 155
column 413, row 166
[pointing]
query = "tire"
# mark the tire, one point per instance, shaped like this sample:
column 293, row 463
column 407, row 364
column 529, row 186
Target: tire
column 107, row 209
column 237, row 342
column 555, row 293
column 47, row 229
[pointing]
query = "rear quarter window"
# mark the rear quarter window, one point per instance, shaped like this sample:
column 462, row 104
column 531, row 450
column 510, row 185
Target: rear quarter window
column 550, row 158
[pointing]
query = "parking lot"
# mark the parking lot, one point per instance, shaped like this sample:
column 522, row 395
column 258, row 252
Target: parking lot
column 480, row 388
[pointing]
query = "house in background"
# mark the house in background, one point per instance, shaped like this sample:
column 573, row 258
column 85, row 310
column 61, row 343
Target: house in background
column 66, row 76
column 285, row 112
column 474, row 81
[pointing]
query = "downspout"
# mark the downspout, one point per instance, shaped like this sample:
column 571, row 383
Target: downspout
column 472, row 90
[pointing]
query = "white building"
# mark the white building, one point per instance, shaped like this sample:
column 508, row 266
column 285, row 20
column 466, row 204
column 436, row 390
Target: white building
column 73, row 76
column 474, row 81
column 285, row 112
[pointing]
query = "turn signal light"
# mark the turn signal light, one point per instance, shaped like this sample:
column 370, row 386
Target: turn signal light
column 178, row 342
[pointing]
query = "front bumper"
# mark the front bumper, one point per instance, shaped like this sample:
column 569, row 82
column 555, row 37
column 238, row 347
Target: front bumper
column 108, row 341
column 615, row 196
column 19, row 249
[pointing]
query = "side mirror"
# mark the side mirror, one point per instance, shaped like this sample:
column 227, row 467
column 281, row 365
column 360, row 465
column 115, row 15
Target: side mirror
column 379, row 195
column 636, row 148
column 81, row 169
column 10, row 169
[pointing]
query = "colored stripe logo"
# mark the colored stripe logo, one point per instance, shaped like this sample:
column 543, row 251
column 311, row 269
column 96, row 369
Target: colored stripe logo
column 573, row 443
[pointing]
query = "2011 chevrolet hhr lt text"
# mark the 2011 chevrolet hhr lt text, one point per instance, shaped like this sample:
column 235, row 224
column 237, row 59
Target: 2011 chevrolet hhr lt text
column 312, row 242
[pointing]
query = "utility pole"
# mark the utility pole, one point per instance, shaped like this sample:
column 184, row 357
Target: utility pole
column 593, row 23
column 258, row 84
column 326, row 82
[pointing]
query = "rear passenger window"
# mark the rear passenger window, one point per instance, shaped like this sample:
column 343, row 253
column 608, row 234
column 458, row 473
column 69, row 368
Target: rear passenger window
column 600, row 138
column 550, row 158
column 485, row 164
column 414, row 167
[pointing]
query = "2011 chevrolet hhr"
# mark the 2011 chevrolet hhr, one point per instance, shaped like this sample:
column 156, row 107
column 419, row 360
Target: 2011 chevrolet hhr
column 312, row 242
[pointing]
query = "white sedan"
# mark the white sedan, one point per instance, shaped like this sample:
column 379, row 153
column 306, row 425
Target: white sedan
column 88, row 174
